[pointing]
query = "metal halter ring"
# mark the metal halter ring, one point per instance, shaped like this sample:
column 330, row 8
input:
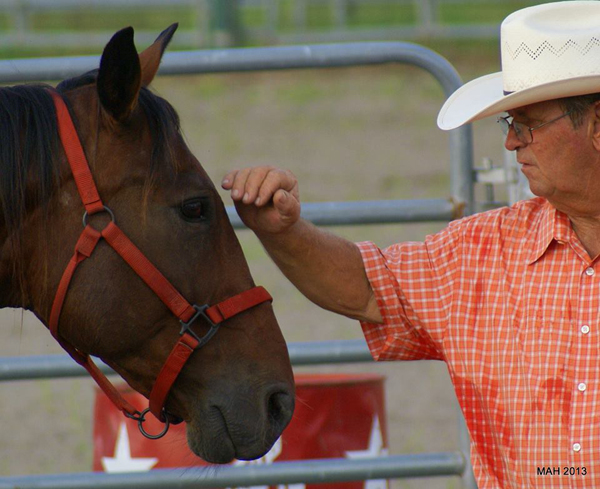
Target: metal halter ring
column 106, row 209
column 141, row 417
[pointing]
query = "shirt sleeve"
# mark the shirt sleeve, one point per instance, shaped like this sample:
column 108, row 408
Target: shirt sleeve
column 413, row 286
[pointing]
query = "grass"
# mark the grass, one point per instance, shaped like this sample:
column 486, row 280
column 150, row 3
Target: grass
column 478, row 12
column 373, row 15
column 5, row 22
column 86, row 19
column 320, row 16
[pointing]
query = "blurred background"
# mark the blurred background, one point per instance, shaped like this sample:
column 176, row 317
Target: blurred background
column 361, row 133
column 82, row 26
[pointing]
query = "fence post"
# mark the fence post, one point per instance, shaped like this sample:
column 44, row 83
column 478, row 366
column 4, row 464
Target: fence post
column 20, row 19
column 425, row 19
column 299, row 14
column 271, row 9
column 468, row 478
column 340, row 8
column 202, row 24
column 226, row 23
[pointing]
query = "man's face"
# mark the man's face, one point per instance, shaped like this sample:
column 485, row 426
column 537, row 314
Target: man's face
column 561, row 162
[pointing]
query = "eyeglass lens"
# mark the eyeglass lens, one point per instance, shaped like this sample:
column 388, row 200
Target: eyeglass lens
column 521, row 130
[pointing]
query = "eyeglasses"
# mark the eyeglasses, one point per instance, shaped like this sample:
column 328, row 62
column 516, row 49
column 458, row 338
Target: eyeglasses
column 523, row 132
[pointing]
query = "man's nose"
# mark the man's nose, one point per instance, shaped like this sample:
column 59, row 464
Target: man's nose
column 512, row 142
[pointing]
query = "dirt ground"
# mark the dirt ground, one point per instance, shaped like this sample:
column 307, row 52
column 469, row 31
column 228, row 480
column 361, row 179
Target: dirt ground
column 348, row 134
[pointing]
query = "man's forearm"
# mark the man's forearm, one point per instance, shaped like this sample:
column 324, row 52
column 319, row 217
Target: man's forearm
column 326, row 268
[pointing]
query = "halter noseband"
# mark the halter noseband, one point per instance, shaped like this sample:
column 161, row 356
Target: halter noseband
column 188, row 314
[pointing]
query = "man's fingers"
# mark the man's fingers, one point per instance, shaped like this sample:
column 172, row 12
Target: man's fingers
column 254, row 184
column 245, row 183
column 228, row 179
column 238, row 182
column 275, row 180
column 258, row 185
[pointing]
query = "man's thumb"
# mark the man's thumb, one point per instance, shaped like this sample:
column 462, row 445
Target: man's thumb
column 284, row 203
column 281, row 201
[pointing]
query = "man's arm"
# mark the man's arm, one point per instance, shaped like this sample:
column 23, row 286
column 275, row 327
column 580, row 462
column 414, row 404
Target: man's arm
column 327, row 269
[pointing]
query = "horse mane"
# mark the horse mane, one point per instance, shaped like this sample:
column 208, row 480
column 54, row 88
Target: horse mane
column 29, row 144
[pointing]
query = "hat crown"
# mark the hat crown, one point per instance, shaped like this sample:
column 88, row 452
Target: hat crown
column 550, row 42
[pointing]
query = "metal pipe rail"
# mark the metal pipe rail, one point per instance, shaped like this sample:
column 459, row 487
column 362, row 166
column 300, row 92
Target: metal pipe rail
column 308, row 472
column 61, row 366
column 371, row 212
column 249, row 59
column 285, row 58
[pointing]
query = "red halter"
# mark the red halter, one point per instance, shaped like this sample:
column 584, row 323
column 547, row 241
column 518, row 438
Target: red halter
column 187, row 313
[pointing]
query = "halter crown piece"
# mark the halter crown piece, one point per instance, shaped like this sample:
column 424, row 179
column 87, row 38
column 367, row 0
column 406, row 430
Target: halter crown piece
column 187, row 314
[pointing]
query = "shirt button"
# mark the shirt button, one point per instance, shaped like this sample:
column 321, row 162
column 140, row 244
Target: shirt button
column 582, row 386
column 589, row 271
column 585, row 329
column 576, row 447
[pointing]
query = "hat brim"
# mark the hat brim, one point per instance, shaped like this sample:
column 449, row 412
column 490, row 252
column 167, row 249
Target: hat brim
column 485, row 96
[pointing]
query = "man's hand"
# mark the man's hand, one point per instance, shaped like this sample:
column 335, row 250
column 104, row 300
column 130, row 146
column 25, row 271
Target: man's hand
column 326, row 268
column 266, row 198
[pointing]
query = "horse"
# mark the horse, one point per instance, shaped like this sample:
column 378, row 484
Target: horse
column 156, row 265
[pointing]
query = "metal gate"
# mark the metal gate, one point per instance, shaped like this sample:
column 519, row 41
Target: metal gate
column 366, row 212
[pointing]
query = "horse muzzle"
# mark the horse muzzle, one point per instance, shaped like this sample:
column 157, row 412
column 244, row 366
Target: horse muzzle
column 244, row 426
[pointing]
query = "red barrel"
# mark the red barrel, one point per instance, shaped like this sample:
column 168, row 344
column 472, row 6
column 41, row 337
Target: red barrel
column 336, row 416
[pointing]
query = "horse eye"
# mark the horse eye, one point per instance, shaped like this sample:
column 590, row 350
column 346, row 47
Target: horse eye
column 193, row 210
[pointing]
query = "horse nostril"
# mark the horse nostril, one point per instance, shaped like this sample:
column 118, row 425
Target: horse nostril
column 280, row 408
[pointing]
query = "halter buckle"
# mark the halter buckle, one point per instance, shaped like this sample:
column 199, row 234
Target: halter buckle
column 200, row 313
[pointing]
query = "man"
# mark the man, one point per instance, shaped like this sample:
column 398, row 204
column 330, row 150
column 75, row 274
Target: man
column 509, row 299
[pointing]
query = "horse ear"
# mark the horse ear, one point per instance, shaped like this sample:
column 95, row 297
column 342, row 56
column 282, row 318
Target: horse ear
column 119, row 77
column 151, row 56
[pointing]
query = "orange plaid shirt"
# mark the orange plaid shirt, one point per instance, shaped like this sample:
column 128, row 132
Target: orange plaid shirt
column 510, row 300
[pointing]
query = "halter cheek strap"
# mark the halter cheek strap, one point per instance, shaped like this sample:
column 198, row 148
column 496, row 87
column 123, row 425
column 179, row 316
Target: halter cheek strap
column 186, row 313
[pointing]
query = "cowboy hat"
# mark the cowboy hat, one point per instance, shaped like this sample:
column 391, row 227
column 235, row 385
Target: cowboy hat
column 548, row 51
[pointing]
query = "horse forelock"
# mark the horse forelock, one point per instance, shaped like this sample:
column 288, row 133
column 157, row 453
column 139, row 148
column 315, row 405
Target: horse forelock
column 164, row 127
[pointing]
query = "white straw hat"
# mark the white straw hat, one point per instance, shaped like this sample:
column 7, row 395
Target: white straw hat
column 548, row 51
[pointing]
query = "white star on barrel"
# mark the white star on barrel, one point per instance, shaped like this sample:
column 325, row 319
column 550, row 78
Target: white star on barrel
column 375, row 449
column 122, row 461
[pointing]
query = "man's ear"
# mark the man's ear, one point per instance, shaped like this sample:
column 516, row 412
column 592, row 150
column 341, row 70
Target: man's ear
column 595, row 125
column 151, row 56
column 119, row 77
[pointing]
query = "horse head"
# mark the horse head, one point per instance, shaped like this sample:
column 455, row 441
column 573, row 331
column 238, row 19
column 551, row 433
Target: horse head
column 236, row 393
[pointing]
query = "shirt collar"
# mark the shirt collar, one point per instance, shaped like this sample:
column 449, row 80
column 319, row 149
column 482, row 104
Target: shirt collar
column 552, row 225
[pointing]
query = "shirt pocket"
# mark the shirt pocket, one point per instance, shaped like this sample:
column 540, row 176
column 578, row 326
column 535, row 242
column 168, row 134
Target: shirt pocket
column 545, row 346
